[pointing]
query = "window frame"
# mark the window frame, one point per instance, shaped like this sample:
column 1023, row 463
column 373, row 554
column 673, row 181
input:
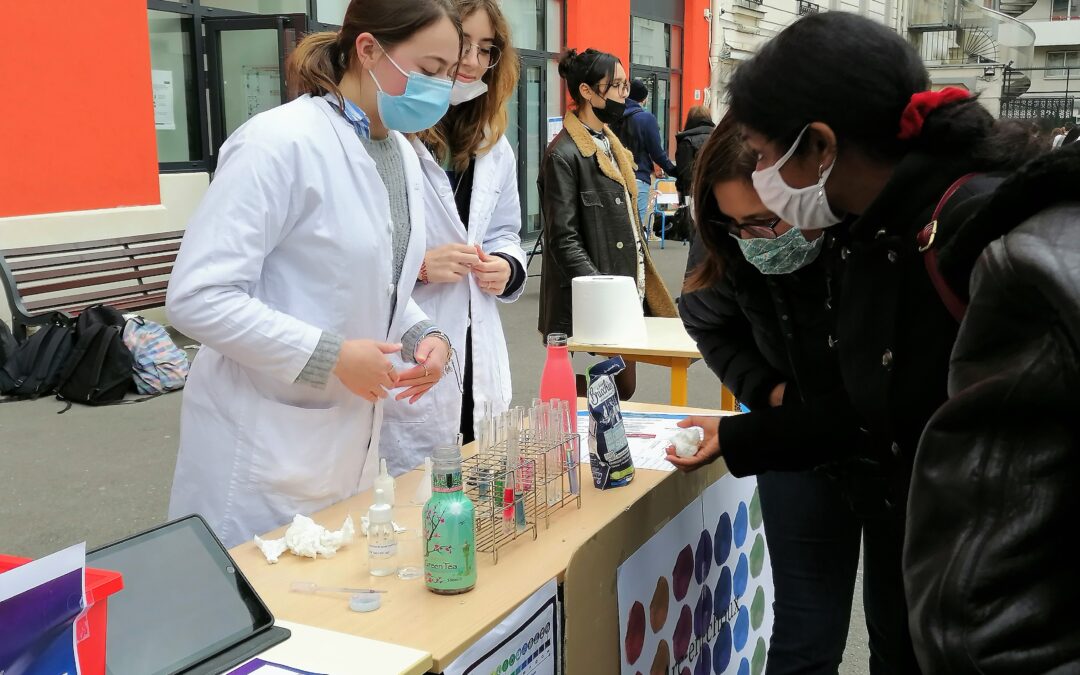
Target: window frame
column 1064, row 68
column 674, row 121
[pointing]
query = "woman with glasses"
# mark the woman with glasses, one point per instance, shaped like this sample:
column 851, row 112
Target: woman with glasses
column 588, row 193
column 755, row 302
column 296, row 274
column 474, row 259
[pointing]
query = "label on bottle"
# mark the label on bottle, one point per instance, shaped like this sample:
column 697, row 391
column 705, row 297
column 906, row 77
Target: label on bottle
column 382, row 550
column 450, row 541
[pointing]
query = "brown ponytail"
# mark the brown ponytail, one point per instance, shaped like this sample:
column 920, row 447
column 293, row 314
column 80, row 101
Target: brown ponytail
column 321, row 59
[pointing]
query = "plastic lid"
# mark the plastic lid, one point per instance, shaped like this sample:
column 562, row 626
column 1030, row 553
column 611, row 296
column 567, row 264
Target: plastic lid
column 380, row 512
column 365, row 602
column 556, row 340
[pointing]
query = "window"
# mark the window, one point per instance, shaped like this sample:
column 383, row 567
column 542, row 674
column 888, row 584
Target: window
column 176, row 106
column 331, row 11
column 650, row 43
column 536, row 25
column 260, row 6
column 1057, row 64
column 1065, row 10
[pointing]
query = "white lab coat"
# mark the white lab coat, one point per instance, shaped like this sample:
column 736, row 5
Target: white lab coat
column 293, row 238
column 410, row 432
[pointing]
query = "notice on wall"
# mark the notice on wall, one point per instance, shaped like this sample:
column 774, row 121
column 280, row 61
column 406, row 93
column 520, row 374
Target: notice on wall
column 525, row 643
column 262, row 88
column 554, row 126
column 697, row 597
column 164, row 117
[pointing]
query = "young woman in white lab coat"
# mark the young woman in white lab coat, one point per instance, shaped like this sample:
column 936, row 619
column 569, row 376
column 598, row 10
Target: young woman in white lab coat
column 296, row 274
column 474, row 258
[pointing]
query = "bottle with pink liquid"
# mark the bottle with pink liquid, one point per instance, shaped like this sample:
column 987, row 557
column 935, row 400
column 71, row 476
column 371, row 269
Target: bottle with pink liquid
column 557, row 381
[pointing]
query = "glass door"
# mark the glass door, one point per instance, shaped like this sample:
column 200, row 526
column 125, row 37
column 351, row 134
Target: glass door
column 526, row 133
column 246, row 61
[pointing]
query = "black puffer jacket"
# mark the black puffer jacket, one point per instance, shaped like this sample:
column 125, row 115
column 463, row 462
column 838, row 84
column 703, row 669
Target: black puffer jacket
column 588, row 224
column 991, row 578
column 756, row 331
column 687, row 145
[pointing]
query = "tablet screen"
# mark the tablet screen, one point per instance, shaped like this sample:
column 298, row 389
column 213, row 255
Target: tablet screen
column 183, row 600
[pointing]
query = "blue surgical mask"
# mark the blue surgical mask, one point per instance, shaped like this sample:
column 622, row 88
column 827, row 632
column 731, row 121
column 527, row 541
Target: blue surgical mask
column 783, row 255
column 423, row 103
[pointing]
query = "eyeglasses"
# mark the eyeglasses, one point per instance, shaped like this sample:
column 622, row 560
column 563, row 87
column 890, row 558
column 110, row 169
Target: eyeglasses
column 757, row 229
column 621, row 86
column 487, row 55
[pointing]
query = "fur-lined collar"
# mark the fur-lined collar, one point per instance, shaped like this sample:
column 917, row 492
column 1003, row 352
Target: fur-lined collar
column 1038, row 185
column 586, row 145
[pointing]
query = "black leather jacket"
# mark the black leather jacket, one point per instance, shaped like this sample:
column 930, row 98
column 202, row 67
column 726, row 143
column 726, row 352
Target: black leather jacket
column 991, row 577
column 588, row 225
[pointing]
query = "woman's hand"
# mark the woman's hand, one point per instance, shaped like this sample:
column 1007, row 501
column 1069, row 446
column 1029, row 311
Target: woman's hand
column 707, row 453
column 362, row 366
column 432, row 355
column 492, row 272
column 450, row 263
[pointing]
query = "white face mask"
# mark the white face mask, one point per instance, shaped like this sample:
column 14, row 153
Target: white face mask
column 467, row 91
column 806, row 208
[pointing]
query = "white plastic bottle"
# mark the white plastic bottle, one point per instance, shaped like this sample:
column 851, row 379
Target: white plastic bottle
column 382, row 541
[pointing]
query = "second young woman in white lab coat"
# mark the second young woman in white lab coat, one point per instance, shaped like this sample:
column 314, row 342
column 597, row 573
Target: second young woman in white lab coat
column 474, row 259
column 296, row 274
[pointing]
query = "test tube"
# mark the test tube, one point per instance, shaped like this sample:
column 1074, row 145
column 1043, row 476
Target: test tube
column 569, row 431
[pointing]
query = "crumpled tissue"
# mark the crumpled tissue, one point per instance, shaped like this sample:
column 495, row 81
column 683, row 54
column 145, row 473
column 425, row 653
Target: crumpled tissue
column 686, row 441
column 307, row 539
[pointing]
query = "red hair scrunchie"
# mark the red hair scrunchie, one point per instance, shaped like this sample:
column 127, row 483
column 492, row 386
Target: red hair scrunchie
column 924, row 103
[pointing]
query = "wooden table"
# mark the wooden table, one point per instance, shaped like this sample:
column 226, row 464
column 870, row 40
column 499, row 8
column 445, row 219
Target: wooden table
column 444, row 626
column 667, row 344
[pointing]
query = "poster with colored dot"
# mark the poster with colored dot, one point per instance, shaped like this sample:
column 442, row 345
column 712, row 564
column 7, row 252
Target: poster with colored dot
column 696, row 599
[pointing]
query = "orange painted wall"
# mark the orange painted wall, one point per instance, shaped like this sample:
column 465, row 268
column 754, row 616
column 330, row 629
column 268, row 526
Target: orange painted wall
column 695, row 55
column 76, row 108
column 600, row 24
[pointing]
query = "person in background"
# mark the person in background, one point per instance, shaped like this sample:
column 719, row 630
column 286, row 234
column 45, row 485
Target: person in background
column 754, row 302
column 296, row 274
column 688, row 143
column 991, row 587
column 871, row 157
column 587, row 192
column 474, row 259
column 639, row 132
column 1057, row 136
column 1070, row 136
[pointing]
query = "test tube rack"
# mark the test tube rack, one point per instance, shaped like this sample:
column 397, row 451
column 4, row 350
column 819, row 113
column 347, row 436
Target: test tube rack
column 559, row 471
column 499, row 524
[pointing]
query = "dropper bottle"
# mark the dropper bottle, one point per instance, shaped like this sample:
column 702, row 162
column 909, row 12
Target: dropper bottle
column 382, row 540
column 385, row 483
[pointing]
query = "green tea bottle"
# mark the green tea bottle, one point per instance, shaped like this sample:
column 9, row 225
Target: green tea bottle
column 449, row 528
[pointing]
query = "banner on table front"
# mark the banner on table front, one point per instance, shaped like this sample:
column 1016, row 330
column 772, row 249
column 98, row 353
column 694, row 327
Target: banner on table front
column 696, row 599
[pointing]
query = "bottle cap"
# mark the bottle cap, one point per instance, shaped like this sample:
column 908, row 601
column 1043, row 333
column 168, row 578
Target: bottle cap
column 556, row 340
column 365, row 602
column 380, row 512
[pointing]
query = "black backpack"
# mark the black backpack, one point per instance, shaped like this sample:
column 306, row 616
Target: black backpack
column 34, row 368
column 99, row 370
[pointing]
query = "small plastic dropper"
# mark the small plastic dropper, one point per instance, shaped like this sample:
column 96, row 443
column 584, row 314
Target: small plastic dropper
column 312, row 587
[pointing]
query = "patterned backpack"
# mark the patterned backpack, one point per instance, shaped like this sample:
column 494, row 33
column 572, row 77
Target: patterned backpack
column 160, row 366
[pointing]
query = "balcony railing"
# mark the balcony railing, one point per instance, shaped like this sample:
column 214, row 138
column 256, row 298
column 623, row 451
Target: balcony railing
column 964, row 32
column 806, row 8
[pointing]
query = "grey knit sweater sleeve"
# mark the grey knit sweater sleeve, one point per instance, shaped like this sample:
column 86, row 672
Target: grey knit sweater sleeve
column 317, row 371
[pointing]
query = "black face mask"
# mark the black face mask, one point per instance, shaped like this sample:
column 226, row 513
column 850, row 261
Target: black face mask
column 611, row 113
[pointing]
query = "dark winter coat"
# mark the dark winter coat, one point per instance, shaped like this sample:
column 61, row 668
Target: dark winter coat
column 588, row 229
column 990, row 575
column 687, row 145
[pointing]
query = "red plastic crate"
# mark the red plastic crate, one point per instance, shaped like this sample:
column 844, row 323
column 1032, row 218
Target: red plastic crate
column 91, row 627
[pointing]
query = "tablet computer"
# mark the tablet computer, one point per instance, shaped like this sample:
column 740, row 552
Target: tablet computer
column 185, row 607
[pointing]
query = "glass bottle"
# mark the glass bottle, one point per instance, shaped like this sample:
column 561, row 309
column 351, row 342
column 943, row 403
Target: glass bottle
column 449, row 528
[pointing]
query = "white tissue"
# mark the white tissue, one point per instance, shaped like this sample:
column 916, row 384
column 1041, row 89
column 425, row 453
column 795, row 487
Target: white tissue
column 686, row 441
column 364, row 526
column 307, row 539
column 272, row 548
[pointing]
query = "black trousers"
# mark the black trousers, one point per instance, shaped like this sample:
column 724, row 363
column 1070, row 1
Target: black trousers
column 467, row 401
column 813, row 537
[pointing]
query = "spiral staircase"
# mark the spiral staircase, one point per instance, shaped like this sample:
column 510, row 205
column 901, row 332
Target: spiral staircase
column 966, row 33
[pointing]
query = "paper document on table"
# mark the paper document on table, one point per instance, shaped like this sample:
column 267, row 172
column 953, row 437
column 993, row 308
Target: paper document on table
column 644, row 431
column 260, row 667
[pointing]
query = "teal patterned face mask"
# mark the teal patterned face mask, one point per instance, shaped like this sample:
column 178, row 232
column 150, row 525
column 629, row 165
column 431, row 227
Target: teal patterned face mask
column 783, row 255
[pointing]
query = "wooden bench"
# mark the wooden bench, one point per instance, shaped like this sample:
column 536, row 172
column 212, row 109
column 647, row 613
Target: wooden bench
column 44, row 283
